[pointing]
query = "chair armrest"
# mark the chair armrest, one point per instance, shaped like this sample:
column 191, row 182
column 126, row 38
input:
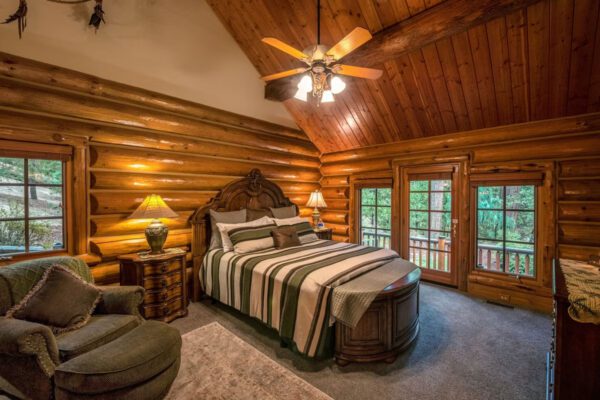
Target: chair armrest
column 120, row 300
column 20, row 338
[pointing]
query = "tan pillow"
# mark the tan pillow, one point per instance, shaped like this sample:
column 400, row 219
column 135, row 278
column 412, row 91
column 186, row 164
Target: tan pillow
column 61, row 300
column 252, row 215
column 224, row 217
column 285, row 236
column 284, row 212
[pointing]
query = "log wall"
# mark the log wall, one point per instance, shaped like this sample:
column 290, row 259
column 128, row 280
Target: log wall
column 136, row 143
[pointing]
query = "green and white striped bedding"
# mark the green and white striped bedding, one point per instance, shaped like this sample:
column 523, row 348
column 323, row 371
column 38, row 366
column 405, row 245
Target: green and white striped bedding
column 289, row 289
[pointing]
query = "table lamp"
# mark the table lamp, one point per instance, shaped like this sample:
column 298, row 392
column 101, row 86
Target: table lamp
column 154, row 207
column 316, row 200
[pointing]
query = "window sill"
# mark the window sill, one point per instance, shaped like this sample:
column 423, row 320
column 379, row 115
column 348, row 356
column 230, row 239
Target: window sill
column 31, row 256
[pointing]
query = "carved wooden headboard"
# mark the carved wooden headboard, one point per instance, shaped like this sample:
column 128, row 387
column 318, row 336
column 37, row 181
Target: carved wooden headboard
column 253, row 192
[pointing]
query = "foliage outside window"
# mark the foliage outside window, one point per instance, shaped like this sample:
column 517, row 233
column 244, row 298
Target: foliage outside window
column 31, row 205
column 506, row 229
column 375, row 217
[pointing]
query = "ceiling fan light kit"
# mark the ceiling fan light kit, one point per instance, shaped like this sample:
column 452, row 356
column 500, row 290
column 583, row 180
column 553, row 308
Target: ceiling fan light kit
column 321, row 76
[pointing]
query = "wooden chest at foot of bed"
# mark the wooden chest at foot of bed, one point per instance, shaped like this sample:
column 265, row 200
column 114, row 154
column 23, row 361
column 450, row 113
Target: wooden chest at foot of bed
column 388, row 327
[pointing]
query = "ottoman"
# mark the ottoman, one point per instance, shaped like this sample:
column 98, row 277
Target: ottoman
column 140, row 365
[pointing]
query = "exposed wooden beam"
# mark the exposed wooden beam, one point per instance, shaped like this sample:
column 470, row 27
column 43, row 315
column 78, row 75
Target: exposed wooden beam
column 443, row 20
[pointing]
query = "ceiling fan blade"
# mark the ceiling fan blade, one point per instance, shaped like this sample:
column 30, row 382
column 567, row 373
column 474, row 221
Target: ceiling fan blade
column 359, row 72
column 283, row 74
column 286, row 48
column 351, row 42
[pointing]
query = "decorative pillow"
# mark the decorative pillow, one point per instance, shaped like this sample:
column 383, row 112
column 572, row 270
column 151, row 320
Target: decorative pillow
column 226, row 217
column 225, row 228
column 61, row 300
column 284, row 212
column 285, row 236
column 252, row 238
column 253, row 215
column 303, row 228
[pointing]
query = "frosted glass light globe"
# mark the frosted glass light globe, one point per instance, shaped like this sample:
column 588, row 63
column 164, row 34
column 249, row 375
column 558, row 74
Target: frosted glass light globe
column 301, row 95
column 327, row 97
column 305, row 84
column 337, row 85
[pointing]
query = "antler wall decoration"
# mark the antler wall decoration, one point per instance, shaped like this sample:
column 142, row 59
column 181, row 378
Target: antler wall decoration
column 20, row 15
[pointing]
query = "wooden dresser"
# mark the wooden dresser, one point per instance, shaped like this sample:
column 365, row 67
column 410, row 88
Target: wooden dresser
column 164, row 280
column 573, row 363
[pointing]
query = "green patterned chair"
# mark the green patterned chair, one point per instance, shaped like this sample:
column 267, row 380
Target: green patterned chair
column 115, row 355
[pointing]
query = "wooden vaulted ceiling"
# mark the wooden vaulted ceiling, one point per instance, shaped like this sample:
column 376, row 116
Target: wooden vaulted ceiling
column 539, row 62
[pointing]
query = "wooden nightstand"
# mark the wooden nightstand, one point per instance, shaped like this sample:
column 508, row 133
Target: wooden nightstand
column 163, row 278
column 324, row 233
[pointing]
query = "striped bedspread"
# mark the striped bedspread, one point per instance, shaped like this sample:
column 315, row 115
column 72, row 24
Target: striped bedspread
column 289, row 289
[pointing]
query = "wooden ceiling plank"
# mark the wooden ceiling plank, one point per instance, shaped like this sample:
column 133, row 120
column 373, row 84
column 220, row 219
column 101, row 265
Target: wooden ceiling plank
column 346, row 130
column 537, row 35
column 561, row 32
column 468, row 79
column 500, row 62
column 453, row 83
column 369, row 12
column 394, row 107
column 517, row 47
column 387, row 130
column 361, row 113
column 391, row 11
column 594, row 98
column 483, row 71
column 359, row 126
column 424, row 94
column 415, row 6
column 585, row 19
column 439, row 88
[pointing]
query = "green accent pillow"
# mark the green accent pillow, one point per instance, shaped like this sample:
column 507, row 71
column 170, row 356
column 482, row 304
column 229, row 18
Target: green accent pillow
column 61, row 300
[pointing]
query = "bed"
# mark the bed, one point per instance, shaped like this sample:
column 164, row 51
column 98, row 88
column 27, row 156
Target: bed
column 290, row 289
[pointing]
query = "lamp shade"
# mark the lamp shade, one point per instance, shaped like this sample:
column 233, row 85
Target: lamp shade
column 316, row 200
column 153, row 206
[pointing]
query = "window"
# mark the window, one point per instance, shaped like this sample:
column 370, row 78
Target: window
column 31, row 205
column 375, row 217
column 506, row 229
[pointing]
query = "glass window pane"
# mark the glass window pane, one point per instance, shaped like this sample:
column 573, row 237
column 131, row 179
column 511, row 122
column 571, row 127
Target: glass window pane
column 418, row 256
column 12, row 202
column 440, row 221
column 45, row 172
column 368, row 196
column 490, row 255
column 419, row 186
column 520, row 259
column 441, row 201
column 419, row 220
column 520, row 226
column 368, row 237
column 45, row 201
column 384, row 217
column 439, row 261
column 12, row 237
column 520, row 197
column 490, row 225
column 384, row 197
column 440, row 241
column 418, row 238
column 45, row 235
column 490, row 197
column 383, row 239
column 444, row 185
column 419, row 201
column 368, row 216
column 12, row 170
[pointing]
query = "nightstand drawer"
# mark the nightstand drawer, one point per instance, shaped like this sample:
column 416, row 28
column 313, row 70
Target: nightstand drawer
column 163, row 310
column 162, row 281
column 161, row 268
column 162, row 295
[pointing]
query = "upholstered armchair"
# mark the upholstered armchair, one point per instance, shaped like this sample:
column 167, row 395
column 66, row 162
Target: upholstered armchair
column 116, row 354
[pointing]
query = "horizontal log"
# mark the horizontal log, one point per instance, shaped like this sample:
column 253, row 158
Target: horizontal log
column 342, row 180
column 579, row 190
column 34, row 71
column 35, row 98
column 341, row 238
column 335, row 193
column 586, row 234
column 580, row 253
column 339, row 230
column 89, row 259
column 113, row 225
column 106, row 273
column 573, row 146
column 305, row 212
column 109, row 157
column 575, row 168
column 529, row 130
column 108, row 179
column 354, row 167
column 579, row 211
column 337, row 204
column 336, row 217
column 109, row 250
column 125, row 202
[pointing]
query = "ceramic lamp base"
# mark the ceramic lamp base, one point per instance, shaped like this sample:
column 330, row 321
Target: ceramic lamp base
column 316, row 216
column 156, row 235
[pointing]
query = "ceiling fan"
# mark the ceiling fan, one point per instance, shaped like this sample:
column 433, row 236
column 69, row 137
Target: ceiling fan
column 320, row 77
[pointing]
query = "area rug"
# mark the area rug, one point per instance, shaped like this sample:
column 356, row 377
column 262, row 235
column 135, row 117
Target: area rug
column 216, row 364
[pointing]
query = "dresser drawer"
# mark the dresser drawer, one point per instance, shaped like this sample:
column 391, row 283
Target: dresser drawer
column 162, row 268
column 163, row 295
column 162, row 281
column 163, row 310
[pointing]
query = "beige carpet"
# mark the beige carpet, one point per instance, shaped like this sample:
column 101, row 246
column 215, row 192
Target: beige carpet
column 216, row 364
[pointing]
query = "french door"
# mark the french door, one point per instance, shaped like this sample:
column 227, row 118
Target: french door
column 429, row 220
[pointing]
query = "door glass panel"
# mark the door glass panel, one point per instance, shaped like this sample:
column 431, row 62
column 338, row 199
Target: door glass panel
column 375, row 217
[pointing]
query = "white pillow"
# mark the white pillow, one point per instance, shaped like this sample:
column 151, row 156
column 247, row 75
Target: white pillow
column 224, row 228
column 289, row 221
